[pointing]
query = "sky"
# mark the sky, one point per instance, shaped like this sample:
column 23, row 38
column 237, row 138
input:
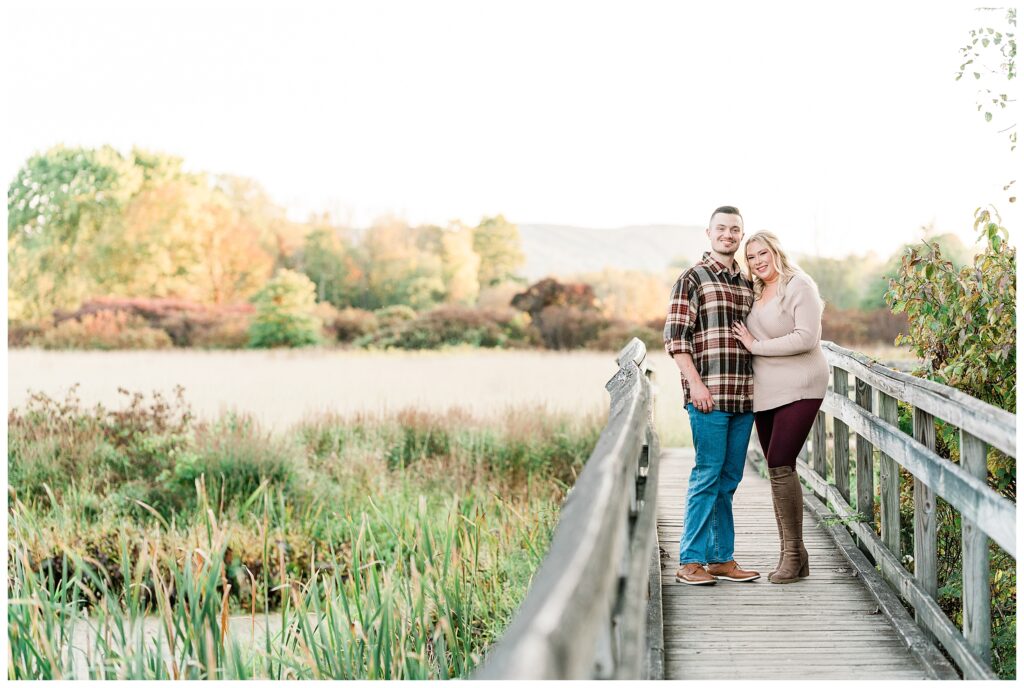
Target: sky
column 839, row 126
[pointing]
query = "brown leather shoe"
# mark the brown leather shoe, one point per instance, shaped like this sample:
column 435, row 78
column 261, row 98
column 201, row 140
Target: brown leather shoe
column 731, row 571
column 694, row 574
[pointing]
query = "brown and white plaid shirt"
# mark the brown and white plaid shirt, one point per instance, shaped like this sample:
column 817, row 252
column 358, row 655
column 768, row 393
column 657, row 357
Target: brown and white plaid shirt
column 706, row 300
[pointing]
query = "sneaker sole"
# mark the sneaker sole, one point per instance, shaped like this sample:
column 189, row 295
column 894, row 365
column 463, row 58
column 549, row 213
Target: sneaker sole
column 683, row 580
column 738, row 580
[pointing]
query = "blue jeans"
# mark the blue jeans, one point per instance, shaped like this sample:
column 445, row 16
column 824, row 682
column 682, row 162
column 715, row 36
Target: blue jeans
column 720, row 438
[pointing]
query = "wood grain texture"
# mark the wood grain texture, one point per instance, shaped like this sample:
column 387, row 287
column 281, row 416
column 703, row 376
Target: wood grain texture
column 841, row 436
column 976, row 593
column 582, row 617
column 865, row 460
column 986, row 422
column 969, row 495
column 827, row 626
column 889, row 477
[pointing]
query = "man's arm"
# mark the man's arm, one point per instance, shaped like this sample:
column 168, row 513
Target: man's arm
column 678, row 336
column 700, row 395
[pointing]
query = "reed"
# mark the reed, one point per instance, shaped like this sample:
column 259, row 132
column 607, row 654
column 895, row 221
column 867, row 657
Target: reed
column 396, row 546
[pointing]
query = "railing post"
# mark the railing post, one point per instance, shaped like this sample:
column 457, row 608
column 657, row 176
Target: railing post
column 841, row 438
column 818, row 448
column 924, row 514
column 889, row 475
column 865, row 466
column 976, row 592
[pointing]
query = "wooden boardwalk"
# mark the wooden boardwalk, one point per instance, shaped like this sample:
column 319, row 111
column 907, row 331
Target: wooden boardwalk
column 828, row 626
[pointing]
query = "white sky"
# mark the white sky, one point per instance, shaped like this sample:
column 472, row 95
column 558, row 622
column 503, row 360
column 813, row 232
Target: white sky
column 837, row 125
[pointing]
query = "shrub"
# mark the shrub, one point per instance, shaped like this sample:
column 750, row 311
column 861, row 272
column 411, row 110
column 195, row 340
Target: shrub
column 188, row 323
column 235, row 457
column 392, row 316
column 550, row 292
column 619, row 333
column 455, row 325
column 104, row 330
column 349, row 324
column 22, row 334
column 98, row 450
column 327, row 314
column 285, row 312
column 962, row 323
column 569, row 327
column 855, row 327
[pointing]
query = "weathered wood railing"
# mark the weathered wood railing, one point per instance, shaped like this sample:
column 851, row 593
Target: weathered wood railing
column 594, row 607
column 873, row 417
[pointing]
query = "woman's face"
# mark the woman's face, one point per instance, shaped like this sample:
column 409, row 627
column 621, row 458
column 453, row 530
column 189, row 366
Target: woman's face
column 761, row 261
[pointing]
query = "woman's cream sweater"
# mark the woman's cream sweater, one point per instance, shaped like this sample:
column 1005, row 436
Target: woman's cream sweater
column 788, row 362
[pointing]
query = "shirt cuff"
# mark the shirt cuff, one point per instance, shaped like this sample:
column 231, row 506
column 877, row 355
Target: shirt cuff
column 679, row 346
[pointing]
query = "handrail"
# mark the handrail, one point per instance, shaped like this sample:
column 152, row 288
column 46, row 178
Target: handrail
column 873, row 418
column 585, row 615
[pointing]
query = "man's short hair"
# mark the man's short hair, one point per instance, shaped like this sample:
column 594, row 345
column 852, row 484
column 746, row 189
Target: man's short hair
column 727, row 210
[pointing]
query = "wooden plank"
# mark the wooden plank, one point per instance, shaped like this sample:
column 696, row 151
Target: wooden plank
column 976, row 591
column 841, row 437
column 930, row 615
column 925, row 548
column 989, row 423
column 565, row 619
column 818, row 448
column 865, row 461
column 995, row 514
column 634, row 611
column 914, row 639
column 829, row 617
column 889, row 476
column 655, row 620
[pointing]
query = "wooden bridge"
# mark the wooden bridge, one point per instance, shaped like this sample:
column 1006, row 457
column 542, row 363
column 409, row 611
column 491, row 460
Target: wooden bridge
column 604, row 603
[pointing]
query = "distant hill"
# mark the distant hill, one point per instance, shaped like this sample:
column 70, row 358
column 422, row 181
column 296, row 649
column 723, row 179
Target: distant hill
column 559, row 250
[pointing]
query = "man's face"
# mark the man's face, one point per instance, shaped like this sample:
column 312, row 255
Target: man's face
column 725, row 233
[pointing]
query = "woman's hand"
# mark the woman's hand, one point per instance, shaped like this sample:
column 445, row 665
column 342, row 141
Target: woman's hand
column 740, row 331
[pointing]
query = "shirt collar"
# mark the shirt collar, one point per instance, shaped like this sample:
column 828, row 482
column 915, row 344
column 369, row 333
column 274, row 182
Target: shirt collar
column 717, row 267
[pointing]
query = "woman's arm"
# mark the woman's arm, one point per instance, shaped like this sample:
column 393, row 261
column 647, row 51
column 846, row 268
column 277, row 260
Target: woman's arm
column 806, row 333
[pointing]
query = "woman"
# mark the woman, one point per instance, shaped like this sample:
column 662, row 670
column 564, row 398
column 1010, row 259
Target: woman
column 783, row 332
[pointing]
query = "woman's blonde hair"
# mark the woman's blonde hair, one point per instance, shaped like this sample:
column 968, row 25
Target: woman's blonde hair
column 783, row 265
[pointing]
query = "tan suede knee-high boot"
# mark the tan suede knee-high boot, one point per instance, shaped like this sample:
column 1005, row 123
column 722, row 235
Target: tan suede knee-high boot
column 782, row 535
column 787, row 495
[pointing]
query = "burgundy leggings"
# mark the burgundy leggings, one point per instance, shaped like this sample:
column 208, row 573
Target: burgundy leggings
column 783, row 430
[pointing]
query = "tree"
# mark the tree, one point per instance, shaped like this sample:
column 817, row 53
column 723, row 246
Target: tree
column 497, row 243
column 57, row 204
column 285, row 312
column 326, row 258
column 233, row 264
column 460, row 265
column 994, row 62
column 629, row 295
column 396, row 270
column 278, row 236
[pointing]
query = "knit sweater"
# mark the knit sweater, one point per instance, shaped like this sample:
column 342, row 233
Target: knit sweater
column 788, row 362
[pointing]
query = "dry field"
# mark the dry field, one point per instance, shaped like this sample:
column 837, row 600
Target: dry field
column 281, row 387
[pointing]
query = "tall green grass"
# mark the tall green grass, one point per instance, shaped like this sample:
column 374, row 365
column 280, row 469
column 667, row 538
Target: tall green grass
column 390, row 546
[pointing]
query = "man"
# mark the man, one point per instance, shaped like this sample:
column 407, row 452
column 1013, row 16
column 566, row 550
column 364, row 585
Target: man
column 718, row 386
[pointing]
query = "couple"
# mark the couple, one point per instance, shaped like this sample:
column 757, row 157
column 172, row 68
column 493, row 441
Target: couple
column 748, row 346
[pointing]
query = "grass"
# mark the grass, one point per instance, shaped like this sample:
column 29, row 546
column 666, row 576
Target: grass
column 384, row 545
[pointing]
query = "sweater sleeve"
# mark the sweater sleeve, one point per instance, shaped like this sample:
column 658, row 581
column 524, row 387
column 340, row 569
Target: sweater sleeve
column 806, row 334
column 681, row 319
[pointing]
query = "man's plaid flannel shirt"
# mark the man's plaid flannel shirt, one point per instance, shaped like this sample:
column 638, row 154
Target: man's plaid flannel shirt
column 706, row 300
